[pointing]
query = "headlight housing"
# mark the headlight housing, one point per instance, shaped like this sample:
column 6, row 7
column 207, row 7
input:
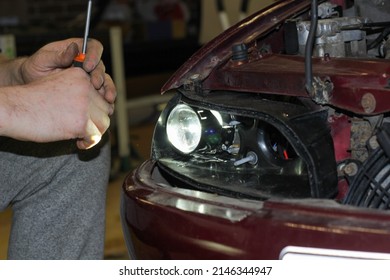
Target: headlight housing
column 245, row 146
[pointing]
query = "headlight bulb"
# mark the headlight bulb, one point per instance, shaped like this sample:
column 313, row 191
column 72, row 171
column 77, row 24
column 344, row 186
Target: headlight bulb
column 184, row 129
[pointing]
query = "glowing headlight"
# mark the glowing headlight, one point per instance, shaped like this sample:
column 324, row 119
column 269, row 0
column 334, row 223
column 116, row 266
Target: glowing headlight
column 184, row 129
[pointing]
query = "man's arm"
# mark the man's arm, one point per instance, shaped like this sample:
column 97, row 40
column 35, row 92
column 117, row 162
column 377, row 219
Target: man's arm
column 61, row 106
column 43, row 98
column 10, row 71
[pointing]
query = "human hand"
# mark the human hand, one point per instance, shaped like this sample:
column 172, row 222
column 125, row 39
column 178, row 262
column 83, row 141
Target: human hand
column 57, row 56
column 60, row 106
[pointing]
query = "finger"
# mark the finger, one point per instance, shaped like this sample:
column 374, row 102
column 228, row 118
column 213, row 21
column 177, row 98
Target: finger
column 111, row 106
column 65, row 59
column 109, row 90
column 100, row 117
column 101, row 106
column 93, row 137
column 93, row 55
column 98, row 75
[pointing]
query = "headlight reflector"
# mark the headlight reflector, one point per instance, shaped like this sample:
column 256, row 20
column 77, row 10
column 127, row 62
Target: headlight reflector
column 184, row 129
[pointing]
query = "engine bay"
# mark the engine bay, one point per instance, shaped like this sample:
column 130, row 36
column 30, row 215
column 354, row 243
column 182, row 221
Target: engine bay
column 361, row 31
column 349, row 33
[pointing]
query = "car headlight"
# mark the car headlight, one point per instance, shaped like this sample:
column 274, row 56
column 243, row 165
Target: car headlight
column 189, row 129
column 249, row 147
column 184, row 129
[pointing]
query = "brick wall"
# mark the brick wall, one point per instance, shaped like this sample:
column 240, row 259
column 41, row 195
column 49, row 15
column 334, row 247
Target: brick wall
column 9, row 13
column 42, row 12
column 54, row 11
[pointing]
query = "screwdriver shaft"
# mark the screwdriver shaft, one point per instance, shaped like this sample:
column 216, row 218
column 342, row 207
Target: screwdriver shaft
column 87, row 23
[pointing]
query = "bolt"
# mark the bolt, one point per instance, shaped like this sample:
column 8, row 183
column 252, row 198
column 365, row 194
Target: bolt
column 368, row 103
column 351, row 169
column 195, row 77
column 251, row 158
column 373, row 143
column 327, row 57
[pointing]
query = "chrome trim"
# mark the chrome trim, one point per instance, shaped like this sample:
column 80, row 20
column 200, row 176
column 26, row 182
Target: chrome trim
column 301, row 253
column 228, row 210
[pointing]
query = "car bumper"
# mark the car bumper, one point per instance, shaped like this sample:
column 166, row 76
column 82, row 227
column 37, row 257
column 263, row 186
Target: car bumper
column 163, row 222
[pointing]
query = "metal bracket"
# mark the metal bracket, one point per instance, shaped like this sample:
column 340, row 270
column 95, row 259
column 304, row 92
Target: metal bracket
column 321, row 90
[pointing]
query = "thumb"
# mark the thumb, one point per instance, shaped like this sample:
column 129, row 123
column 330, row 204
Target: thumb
column 67, row 56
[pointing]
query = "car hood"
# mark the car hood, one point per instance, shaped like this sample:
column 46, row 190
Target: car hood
column 218, row 51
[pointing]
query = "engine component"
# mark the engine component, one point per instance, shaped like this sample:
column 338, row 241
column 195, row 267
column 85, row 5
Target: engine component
column 373, row 9
column 371, row 187
column 384, row 48
column 332, row 39
column 361, row 132
column 326, row 10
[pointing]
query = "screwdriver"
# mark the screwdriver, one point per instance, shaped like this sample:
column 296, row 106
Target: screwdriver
column 78, row 62
column 79, row 59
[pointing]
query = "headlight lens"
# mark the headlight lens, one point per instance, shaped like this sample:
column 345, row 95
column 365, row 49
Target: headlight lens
column 184, row 129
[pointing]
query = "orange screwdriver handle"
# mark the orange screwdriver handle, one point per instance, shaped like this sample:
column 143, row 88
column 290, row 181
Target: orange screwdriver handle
column 79, row 60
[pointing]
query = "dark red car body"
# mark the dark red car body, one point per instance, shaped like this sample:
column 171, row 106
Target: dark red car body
column 162, row 221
